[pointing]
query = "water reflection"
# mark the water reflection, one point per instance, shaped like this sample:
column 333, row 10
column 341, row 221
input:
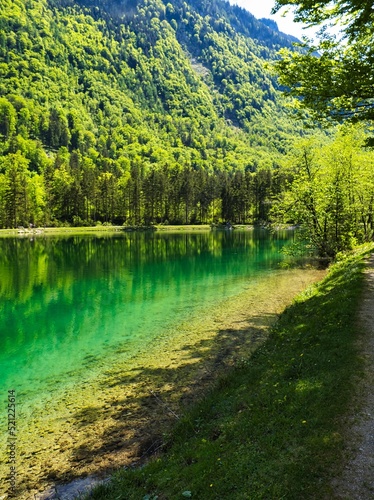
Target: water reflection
column 66, row 300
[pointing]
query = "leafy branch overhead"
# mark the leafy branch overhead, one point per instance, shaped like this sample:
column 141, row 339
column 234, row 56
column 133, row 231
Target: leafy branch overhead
column 356, row 16
column 335, row 77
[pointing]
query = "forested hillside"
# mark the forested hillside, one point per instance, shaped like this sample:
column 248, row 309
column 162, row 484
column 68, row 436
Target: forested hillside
column 138, row 112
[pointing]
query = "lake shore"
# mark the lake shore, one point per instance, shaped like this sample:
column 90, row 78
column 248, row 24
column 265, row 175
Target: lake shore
column 120, row 418
column 283, row 423
column 57, row 231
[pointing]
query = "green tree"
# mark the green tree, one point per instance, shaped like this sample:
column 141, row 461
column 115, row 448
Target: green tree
column 335, row 77
column 58, row 132
column 106, row 203
column 331, row 191
column 8, row 118
column 336, row 85
column 60, row 188
column 15, row 190
column 358, row 15
column 37, row 199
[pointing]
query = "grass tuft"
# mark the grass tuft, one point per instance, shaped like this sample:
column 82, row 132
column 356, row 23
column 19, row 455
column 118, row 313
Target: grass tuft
column 273, row 427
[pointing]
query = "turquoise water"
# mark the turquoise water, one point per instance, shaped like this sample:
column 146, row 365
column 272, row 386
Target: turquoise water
column 69, row 304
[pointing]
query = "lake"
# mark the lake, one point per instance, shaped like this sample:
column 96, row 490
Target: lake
column 78, row 313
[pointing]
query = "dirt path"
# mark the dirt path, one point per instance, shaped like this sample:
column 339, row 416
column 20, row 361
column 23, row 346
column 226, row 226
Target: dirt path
column 357, row 482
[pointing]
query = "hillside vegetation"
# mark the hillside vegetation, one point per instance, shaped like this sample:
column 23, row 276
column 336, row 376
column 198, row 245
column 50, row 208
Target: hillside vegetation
column 138, row 112
column 144, row 112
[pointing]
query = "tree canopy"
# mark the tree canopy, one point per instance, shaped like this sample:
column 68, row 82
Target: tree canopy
column 333, row 78
column 357, row 16
column 330, row 191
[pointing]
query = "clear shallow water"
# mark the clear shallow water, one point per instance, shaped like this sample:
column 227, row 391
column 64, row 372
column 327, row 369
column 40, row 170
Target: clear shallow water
column 70, row 304
column 88, row 324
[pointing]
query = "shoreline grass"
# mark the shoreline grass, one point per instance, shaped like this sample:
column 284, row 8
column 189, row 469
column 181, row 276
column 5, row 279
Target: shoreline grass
column 274, row 426
column 45, row 231
column 104, row 228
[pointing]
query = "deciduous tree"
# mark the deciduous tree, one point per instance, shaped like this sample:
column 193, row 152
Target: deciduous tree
column 333, row 78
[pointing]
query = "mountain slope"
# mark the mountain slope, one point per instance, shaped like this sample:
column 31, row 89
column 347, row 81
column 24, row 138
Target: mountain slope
column 137, row 112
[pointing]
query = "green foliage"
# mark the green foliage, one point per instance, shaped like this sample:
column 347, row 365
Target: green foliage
column 331, row 191
column 337, row 84
column 333, row 78
column 141, row 112
column 357, row 15
column 22, row 195
column 8, row 119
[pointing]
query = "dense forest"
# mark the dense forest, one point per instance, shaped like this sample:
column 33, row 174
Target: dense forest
column 139, row 112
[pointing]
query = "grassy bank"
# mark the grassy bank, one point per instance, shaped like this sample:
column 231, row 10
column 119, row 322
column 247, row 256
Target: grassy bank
column 59, row 230
column 272, row 427
column 98, row 229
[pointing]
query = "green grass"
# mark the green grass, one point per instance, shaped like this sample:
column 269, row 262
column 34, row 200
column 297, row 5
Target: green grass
column 59, row 230
column 100, row 228
column 273, row 427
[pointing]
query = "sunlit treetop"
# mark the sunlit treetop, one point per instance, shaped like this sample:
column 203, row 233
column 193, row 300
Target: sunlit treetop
column 356, row 15
column 335, row 77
